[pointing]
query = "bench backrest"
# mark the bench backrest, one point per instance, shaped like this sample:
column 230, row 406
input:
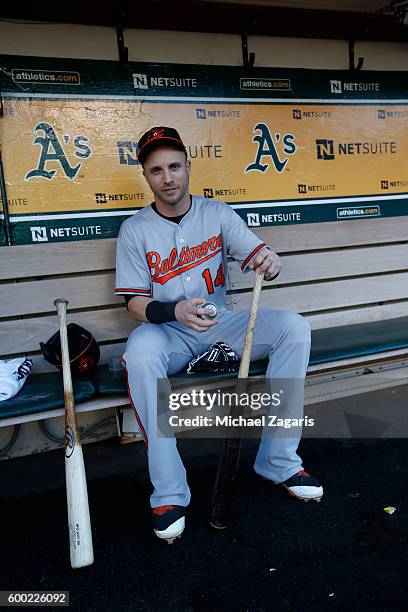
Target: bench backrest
column 334, row 273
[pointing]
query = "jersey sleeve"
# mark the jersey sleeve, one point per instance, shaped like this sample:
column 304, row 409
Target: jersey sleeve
column 132, row 272
column 241, row 244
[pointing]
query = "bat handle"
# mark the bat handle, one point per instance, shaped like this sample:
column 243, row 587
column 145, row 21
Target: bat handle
column 61, row 306
column 246, row 353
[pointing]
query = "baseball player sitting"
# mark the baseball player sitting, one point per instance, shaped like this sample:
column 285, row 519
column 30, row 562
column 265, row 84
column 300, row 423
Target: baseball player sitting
column 171, row 257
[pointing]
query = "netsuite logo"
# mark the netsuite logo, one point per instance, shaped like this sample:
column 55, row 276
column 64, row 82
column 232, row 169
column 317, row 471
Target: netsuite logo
column 268, row 146
column 303, row 188
column 39, row 234
column 302, row 114
column 338, row 87
column 142, row 81
column 127, row 152
column 209, row 192
column 324, row 148
column 394, row 114
column 52, row 150
column 253, row 220
column 106, row 198
column 386, row 184
column 202, row 113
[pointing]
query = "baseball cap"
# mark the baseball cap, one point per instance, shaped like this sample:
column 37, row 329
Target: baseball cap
column 156, row 137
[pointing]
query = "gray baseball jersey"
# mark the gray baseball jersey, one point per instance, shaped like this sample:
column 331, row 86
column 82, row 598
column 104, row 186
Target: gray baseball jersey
column 168, row 262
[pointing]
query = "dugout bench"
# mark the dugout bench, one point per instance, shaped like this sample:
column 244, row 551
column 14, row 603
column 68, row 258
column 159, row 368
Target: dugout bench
column 349, row 278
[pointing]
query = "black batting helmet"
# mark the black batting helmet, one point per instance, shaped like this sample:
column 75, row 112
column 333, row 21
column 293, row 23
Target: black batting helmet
column 84, row 351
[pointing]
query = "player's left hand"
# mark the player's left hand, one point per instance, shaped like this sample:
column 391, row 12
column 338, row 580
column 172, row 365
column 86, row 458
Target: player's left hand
column 266, row 261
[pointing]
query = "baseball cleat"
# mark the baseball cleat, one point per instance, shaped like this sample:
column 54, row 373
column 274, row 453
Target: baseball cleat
column 169, row 522
column 304, row 486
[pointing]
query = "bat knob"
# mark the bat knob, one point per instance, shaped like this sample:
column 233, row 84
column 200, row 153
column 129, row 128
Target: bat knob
column 60, row 301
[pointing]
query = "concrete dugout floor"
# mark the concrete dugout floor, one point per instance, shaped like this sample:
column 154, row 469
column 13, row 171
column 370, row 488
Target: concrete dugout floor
column 280, row 554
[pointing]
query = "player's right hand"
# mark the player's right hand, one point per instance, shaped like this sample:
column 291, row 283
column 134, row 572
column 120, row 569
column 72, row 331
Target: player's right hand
column 186, row 313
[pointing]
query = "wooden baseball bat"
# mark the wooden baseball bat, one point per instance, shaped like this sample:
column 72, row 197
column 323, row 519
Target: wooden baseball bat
column 79, row 522
column 228, row 465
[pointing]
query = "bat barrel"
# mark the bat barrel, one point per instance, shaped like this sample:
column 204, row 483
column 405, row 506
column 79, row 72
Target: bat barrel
column 79, row 522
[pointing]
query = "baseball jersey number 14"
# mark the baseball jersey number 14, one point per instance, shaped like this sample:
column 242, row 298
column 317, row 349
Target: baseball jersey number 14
column 219, row 279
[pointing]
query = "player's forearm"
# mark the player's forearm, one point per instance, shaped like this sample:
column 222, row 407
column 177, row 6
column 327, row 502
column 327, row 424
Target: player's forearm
column 151, row 311
column 137, row 307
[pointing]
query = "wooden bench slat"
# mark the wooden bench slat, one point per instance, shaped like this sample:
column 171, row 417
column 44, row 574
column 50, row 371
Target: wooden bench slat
column 89, row 255
column 38, row 297
column 332, row 264
column 336, row 294
column 57, row 258
column 24, row 335
column 358, row 315
column 312, row 236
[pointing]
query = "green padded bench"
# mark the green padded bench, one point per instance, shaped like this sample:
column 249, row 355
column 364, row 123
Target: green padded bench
column 44, row 392
column 328, row 345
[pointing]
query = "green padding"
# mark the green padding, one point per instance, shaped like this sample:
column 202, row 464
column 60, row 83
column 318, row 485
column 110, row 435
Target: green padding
column 44, row 392
column 356, row 340
column 107, row 383
column 327, row 345
column 111, row 384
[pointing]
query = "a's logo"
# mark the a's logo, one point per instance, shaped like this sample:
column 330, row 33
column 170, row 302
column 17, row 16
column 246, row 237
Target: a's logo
column 335, row 87
column 253, row 220
column 127, row 152
column 140, row 81
column 101, row 198
column 384, row 184
column 200, row 112
column 302, row 188
column 324, row 148
column 53, row 151
column 381, row 114
column 208, row 192
column 39, row 234
column 297, row 114
column 267, row 148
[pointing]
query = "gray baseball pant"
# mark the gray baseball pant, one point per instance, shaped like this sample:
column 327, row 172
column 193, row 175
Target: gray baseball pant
column 159, row 350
